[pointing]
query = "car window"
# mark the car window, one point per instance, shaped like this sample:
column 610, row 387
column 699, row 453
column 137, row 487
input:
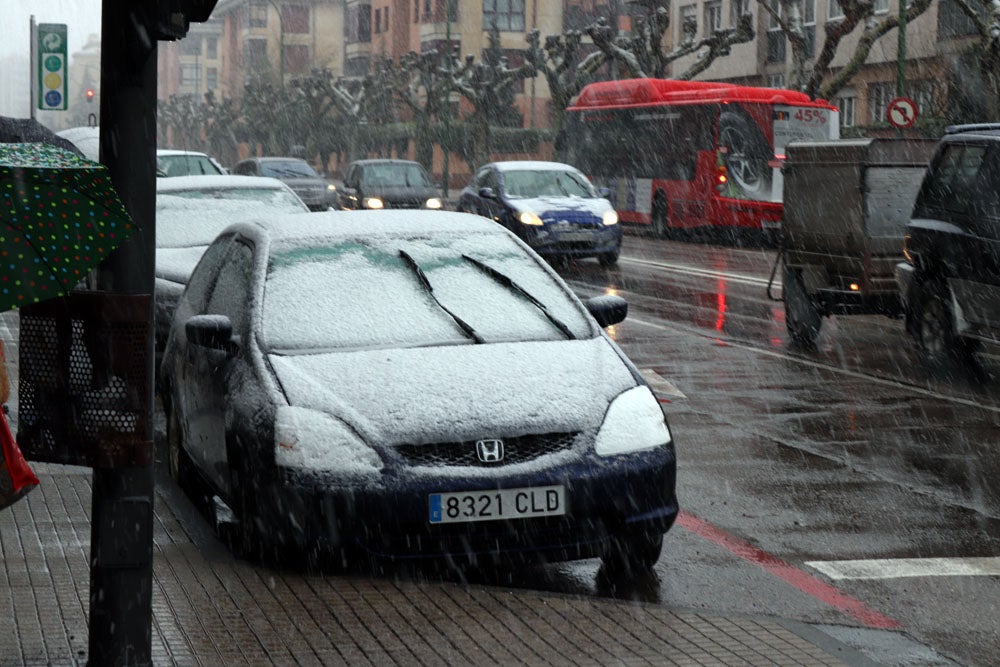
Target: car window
column 404, row 175
column 287, row 169
column 195, row 296
column 546, row 182
column 272, row 197
column 186, row 165
column 480, row 179
column 380, row 301
column 950, row 183
column 490, row 180
column 985, row 218
column 230, row 295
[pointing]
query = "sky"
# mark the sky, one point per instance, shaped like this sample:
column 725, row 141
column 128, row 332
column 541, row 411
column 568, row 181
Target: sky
column 82, row 17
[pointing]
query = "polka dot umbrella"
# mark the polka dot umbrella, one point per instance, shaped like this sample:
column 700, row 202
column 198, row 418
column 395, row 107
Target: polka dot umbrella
column 61, row 217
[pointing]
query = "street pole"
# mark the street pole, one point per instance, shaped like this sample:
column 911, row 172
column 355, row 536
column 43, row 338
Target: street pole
column 121, row 543
column 901, row 56
column 33, row 64
column 446, row 139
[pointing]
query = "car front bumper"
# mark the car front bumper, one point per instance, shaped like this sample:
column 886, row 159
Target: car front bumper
column 604, row 498
column 576, row 242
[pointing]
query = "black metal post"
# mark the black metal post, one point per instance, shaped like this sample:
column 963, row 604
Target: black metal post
column 121, row 548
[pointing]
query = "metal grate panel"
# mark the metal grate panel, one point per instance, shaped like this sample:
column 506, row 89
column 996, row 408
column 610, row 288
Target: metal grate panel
column 84, row 388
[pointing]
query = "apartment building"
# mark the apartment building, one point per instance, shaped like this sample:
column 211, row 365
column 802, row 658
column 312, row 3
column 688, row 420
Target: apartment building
column 286, row 38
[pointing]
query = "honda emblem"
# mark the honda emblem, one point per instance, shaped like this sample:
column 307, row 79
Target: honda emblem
column 490, row 451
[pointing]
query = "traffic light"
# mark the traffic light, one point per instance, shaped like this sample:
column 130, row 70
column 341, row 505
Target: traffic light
column 90, row 94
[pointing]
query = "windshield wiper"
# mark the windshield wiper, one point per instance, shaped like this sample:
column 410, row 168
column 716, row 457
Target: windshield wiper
column 412, row 263
column 507, row 281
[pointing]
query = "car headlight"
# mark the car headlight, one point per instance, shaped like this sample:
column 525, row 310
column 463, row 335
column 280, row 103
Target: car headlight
column 433, row 203
column 331, row 187
column 610, row 218
column 314, row 441
column 373, row 202
column 633, row 422
column 529, row 218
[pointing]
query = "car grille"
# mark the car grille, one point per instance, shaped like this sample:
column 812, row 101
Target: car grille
column 516, row 450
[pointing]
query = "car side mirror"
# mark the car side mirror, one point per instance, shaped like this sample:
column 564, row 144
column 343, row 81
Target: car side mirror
column 607, row 309
column 211, row 331
column 604, row 192
column 487, row 193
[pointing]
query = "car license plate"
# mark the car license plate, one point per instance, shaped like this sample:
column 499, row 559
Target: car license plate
column 495, row 504
column 576, row 236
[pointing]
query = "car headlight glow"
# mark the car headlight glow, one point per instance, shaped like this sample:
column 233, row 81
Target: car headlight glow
column 529, row 218
column 634, row 422
column 373, row 203
column 433, row 203
column 331, row 187
column 610, row 218
column 311, row 440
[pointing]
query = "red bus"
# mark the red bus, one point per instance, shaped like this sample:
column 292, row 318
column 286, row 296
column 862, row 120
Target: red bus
column 687, row 155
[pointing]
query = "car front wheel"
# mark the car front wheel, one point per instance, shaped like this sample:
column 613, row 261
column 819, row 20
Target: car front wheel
column 608, row 259
column 633, row 553
column 936, row 336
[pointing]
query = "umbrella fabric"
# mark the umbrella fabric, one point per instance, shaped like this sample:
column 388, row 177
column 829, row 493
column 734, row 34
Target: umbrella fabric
column 25, row 130
column 61, row 217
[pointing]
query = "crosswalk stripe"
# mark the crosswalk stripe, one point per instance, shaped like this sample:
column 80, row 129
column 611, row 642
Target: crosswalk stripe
column 893, row 568
column 660, row 385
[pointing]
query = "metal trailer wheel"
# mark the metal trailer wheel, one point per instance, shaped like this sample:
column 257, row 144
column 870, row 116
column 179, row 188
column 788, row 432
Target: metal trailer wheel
column 659, row 217
column 802, row 318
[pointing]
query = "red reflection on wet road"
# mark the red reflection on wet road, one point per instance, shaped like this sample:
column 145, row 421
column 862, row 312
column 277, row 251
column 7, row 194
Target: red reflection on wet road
column 803, row 581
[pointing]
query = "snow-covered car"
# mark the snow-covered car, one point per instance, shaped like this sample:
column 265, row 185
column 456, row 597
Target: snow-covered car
column 296, row 173
column 171, row 162
column 412, row 384
column 190, row 212
column 552, row 206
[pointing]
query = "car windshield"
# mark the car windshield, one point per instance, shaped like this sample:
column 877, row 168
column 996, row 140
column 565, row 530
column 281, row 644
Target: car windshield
column 287, row 169
column 186, row 165
column 395, row 175
column 546, row 182
column 371, row 296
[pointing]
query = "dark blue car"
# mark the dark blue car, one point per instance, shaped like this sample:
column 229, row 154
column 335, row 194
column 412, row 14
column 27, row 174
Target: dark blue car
column 552, row 206
column 412, row 384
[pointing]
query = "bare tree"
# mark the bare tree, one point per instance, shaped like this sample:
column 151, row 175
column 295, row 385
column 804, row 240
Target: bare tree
column 987, row 50
column 420, row 82
column 817, row 81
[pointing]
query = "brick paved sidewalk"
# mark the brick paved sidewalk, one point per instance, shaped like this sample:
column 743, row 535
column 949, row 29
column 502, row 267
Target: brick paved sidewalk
column 211, row 609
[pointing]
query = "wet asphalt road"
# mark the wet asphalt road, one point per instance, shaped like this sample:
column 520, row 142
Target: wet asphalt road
column 791, row 457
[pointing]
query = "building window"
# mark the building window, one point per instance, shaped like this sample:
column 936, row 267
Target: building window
column 846, row 105
column 295, row 19
column 689, row 20
column 258, row 14
column 713, row 17
column 255, row 52
column 190, row 46
column 506, row 15
column 775, row 80
column 296, row 58
column 922, row 93
column 190, row 74
column 879, row 96
column 211, row 78
column 809, row 26
column 385, row 20
column 953, row 22
column 880, row 6
column 356, row 67
column 213, row 48
column 775, row 38
column 416, row 11
column 358, row 24
column 833, row 10
column 738, row 8
column 378, row 21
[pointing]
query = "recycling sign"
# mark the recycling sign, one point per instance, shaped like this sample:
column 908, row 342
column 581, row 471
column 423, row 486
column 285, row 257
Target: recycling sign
column 51, row 58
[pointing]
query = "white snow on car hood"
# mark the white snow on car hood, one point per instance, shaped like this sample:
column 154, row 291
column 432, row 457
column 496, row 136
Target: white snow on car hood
column 540, row 205
column 464, row 392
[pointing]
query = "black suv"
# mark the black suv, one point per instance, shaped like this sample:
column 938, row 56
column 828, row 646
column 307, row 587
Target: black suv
column 950, row 281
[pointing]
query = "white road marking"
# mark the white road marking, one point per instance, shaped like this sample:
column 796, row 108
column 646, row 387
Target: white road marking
column 660, row 385
column 894, row 568
column 697, row 271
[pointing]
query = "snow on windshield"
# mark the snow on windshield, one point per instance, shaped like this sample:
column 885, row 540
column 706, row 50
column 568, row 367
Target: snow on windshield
column 546, row 182
column 183, row 221
column 363, row 294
